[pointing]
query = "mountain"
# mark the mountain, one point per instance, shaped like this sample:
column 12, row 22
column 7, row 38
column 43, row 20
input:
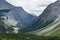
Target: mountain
column 48, row 23
column 14, row 16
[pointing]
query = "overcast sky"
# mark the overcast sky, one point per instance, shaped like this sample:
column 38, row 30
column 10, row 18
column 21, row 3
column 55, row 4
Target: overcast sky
column 32, row 6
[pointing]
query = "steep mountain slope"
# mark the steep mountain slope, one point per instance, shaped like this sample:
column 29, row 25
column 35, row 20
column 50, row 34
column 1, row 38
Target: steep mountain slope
column 55, row 25
column 18, row 14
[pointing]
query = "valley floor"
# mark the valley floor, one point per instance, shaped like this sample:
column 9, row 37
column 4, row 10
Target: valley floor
column 22, row 36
